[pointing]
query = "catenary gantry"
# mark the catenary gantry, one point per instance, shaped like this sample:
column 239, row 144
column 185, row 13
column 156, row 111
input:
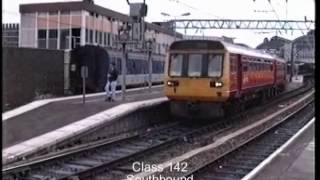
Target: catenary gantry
column 242, row 24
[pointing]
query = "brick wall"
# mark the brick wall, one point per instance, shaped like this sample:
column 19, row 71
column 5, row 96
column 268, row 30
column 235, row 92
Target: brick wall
column 29, row 73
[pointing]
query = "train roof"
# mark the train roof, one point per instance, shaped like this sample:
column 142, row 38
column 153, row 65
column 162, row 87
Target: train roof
column 218, row 44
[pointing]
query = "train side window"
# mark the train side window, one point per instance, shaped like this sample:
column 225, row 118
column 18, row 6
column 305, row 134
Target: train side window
column 175, row 68
column 245, row 68
column 135, row 70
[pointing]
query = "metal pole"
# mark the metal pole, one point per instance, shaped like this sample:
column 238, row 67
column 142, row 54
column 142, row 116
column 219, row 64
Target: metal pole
column 83, row 90
column 123, row 68
column 84, row 75
column 292, row 62
column 150, row 70
column 174, row 28
column 142, row 32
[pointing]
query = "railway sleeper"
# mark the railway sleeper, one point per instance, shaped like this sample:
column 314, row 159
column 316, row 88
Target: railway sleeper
column 215, row 177
column 237, row 167
column 74, row 167
column 240, row 163
column 225, row 172
column 251, row 157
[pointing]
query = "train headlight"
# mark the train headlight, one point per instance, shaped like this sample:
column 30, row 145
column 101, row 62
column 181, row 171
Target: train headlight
column 218, row 84
column 172, row 83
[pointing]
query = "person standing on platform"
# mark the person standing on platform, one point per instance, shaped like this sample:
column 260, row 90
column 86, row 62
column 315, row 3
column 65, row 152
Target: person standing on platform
column 111, row 83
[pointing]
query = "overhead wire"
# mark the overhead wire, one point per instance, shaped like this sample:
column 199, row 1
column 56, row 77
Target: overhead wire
column 195, row 8
column 275, row 12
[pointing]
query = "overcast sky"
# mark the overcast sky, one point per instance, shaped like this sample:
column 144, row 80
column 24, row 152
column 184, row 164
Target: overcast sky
column 204, row 9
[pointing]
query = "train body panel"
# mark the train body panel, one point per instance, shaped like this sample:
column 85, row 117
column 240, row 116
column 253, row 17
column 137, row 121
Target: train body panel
column 203, row 86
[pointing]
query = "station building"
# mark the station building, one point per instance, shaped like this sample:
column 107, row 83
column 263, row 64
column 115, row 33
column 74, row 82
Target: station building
column 276, row 45
column 10, row 35
column 304, row 48
column 67, row 25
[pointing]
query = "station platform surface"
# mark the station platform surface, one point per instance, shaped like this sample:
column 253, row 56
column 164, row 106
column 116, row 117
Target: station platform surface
column 54, row 115
column 296, row 162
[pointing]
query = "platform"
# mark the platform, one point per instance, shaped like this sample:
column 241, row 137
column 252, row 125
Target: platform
column 48, row 116
column 44, row 124
column 296, row 162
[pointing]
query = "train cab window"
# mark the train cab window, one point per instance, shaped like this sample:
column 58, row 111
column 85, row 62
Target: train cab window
column 260, row 67
column 245, row 68
column 214, row 65
column 176, row 65
column 194, row 65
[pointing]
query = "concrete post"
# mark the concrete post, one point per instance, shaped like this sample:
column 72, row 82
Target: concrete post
column 150, row 69
column 292, row 62
column 124, row 70
column 66, row 72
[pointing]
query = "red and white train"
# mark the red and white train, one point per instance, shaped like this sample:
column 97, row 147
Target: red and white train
column 206, row 78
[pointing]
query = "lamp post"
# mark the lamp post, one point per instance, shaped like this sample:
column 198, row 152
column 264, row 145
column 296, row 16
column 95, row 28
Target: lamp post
column 175, row 18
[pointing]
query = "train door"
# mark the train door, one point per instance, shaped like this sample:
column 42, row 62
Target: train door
column 275, row 69
column 239, row 63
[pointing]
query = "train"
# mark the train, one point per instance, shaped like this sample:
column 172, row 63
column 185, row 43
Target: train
column 98, row 59
column 212, row 78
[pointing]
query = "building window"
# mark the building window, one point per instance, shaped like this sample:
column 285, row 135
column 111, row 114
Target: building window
column 91, row 36
column 64, row 12
column 75, row 41
column 87, row 35
column 64, row 39
column 96, row 37
column 100, row 38
column 42, row 39
column 53, row 13
column 53, row 38
column 105, row 38
column 108, row 39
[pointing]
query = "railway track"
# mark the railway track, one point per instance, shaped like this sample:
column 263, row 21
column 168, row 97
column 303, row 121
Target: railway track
column 239, row 163
column 81, row 163
column 197, row 141
column 89, row 162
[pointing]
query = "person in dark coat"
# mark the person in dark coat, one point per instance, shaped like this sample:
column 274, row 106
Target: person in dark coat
column 111, row 83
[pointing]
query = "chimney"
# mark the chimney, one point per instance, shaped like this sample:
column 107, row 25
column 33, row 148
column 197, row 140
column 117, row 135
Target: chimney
column 88, row 1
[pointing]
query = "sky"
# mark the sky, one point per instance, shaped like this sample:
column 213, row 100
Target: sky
column 204, row 9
